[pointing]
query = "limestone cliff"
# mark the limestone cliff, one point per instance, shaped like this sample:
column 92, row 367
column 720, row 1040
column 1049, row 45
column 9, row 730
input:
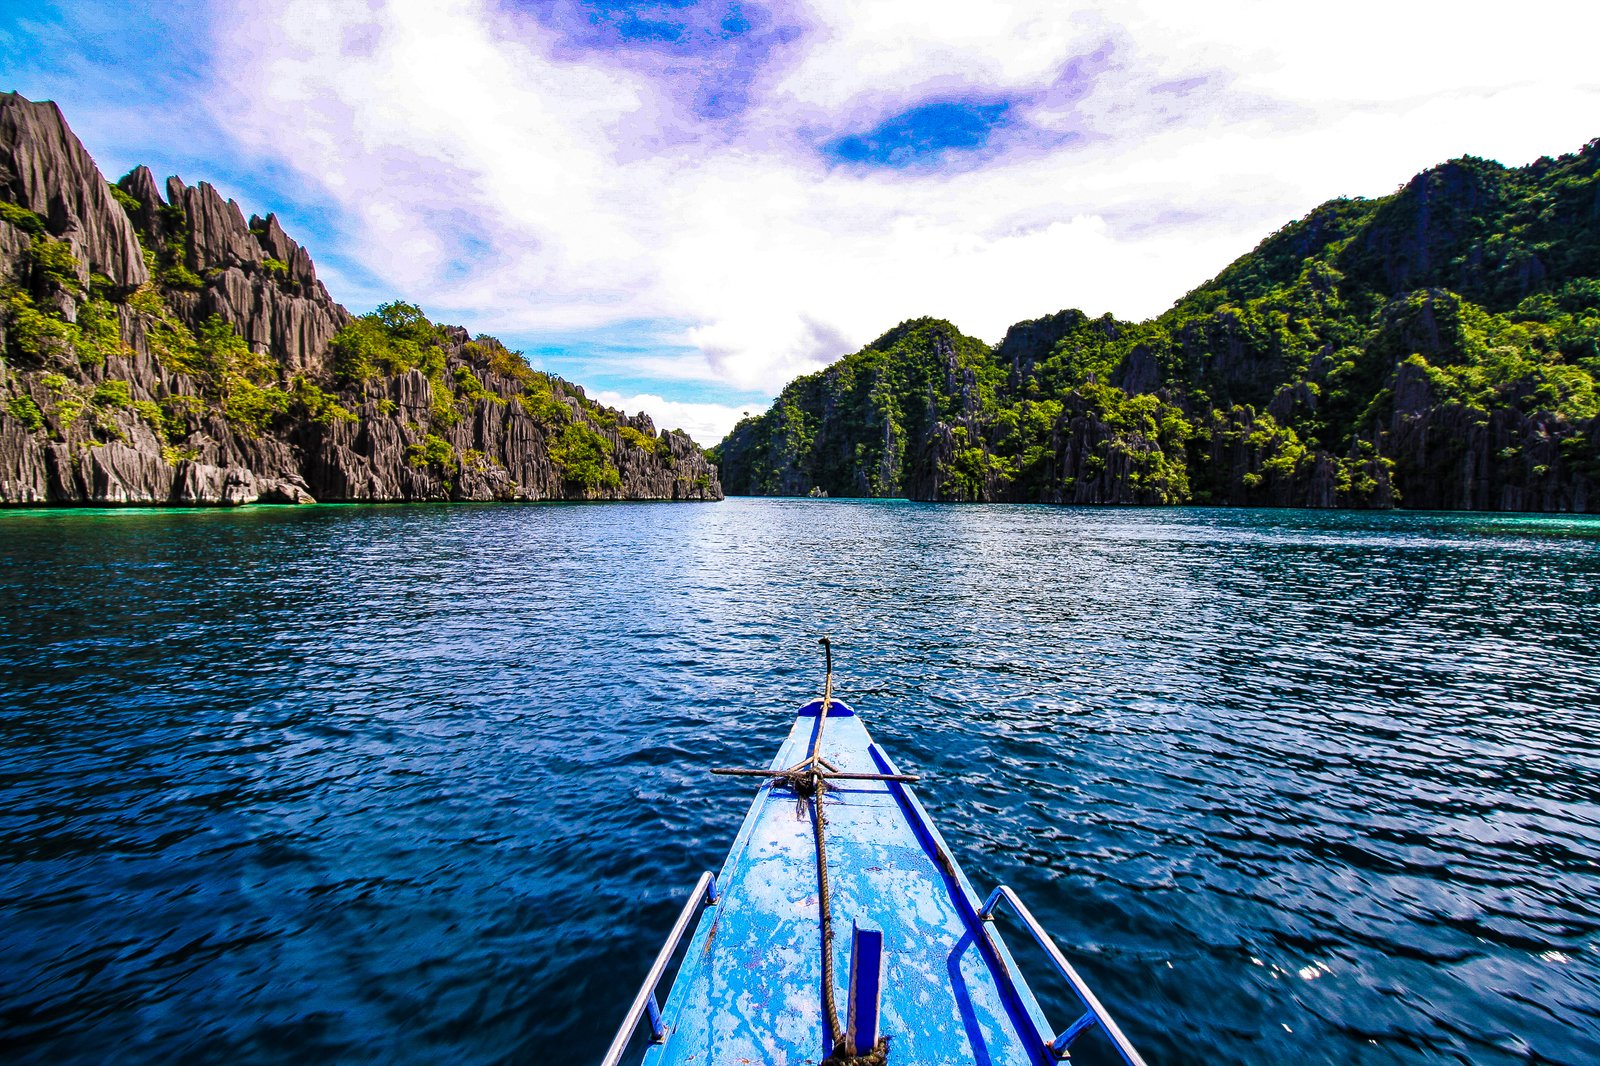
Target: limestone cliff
column 160, row 348
column 1436, row 348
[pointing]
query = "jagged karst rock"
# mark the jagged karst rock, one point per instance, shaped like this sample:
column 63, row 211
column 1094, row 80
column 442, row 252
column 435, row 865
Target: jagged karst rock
column 218, row 236
column 44, row 168
column 134, row 414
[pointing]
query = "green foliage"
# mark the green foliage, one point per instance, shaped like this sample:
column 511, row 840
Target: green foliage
column 37, row 336
column 315, row 405
column 251, row 407
column 1356, row 474
column 395, row 339
column 358, row 349
column 469, row 388
column 538, row 398
column 846, row 429
column 113, row 392
column 54, row 262
column 1137, row 437
column 499, row 359
column 146, row 300
column 442, row 407
column 99, row 333
column 969, row 469
column 275, row 266
column 68, row 402
column 24, row 410
column 180, row 411
column 168, row 339
column 1025, row 432
column 40, row 336
column 431, row 451
column 244, row 380
column 22, row 218
column 127, row 200
column 241, row 381
column 150, row 411
column 643, row 441
column 179, row 276
column 67, row 410
column 584, row 458
column 405, row 321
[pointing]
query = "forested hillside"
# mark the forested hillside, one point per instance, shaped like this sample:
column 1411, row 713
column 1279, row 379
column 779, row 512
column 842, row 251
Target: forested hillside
column 1436, row 348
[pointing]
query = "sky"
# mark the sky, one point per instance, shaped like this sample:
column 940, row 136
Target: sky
column 683, row 204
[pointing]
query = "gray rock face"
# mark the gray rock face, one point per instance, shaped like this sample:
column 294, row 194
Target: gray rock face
column 1455, row 458
column 13, row 255
column 293, row 328
column 1026, row 343
column 218, row 236
column 148, row 420
column 140, row 184
column 44, row 168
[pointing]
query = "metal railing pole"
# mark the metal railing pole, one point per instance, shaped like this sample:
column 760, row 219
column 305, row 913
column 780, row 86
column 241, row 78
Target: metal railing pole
column 1080, row 987
column 645, row 1000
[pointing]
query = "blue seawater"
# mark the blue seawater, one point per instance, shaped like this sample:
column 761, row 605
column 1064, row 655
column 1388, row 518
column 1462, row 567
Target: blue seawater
column 424, row 784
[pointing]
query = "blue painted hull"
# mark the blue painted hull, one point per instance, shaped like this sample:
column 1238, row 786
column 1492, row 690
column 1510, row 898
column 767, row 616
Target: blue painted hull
column 749, row 989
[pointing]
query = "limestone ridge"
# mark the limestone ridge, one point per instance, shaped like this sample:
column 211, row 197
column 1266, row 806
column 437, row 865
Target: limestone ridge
column 160, row 348
column 1435, row 348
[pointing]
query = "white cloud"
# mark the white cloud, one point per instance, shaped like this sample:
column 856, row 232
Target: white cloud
column 707, row 423
column 427, row 120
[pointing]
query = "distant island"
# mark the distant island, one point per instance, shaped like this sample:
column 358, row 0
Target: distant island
column 163, row 350
column 1435, row 348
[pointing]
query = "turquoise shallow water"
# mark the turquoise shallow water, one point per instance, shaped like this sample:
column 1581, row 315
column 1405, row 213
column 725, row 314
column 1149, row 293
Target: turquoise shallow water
column 427, row 784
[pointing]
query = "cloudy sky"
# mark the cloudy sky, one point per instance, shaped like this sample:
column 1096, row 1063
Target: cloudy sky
column 681, row 205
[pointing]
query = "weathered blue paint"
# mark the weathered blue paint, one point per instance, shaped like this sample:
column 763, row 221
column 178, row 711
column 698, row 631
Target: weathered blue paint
column 749, row 989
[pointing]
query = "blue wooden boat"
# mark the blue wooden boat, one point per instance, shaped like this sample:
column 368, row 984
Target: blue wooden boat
column 916, row 971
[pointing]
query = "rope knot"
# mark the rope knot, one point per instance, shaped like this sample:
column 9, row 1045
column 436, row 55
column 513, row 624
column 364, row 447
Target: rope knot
column 878, row 1056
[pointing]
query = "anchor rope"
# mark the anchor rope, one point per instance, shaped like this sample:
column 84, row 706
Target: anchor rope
column 836, row 1036
column 843, row 1052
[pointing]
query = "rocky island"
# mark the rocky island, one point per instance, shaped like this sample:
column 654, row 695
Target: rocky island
column 159, row 348
column 1434, row 348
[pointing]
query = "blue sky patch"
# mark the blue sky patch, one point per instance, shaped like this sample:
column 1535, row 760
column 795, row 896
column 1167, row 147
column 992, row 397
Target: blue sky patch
column 710, row 51
column 923, row 135
column 607, row 357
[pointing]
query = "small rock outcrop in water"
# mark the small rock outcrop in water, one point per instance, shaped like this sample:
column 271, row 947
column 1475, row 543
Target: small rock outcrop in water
column 1436, row 348
column 159, row 348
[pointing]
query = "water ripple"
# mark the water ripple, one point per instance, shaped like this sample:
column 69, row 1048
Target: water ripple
column 408, row 784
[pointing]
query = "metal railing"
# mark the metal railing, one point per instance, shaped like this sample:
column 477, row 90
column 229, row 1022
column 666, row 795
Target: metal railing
column 645, row 1002
column 1094, row 1013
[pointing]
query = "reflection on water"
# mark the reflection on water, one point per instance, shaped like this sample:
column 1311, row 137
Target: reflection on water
column 410, row 784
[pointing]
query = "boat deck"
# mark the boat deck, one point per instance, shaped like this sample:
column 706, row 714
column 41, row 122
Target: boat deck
column 749, row 989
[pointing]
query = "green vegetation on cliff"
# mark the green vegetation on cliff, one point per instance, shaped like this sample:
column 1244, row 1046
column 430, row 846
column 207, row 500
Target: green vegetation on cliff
column 54, row 323
column 156, row 346
column 1438, row 347
column 399, row 339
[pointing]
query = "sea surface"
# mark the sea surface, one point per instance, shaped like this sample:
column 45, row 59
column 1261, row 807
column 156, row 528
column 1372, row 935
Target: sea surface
column 428, row 784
